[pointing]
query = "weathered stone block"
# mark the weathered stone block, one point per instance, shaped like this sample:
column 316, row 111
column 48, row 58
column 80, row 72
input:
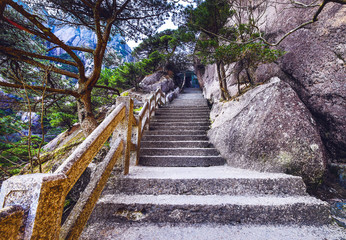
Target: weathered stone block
column 41, row 196
column 269, row 129
column 11, row 219
column 157, row 80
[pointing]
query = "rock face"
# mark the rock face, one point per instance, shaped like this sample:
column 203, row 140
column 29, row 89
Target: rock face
column 82, row 37
column 269, row 129
column 7, row 101
column 208, row 80
column 35, row 120
column 78, row 36
column 314, row 66
column 172, row 95
column 156, row 80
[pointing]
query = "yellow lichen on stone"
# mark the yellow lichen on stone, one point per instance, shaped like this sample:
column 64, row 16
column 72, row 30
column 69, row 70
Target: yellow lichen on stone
column 284, row 159
column 130, row 215
column 11, row 218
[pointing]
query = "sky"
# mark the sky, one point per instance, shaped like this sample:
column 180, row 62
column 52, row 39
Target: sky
column 168, row 25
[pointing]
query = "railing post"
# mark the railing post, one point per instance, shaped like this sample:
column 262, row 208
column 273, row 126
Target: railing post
column 124, row 131
column 154, row 97
column 149, row 114
column 11, row 220
column 139, row 137
column 162, row 96
column 42, row 196
column 74, row 224
column 157, row 97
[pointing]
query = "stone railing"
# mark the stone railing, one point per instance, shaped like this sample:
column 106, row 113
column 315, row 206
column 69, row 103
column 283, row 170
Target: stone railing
column 32, row 205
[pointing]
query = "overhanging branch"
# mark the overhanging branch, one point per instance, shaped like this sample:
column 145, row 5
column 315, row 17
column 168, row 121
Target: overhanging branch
column 89, row 50
column 18, row 53
column 108, row 88
column 52, row 37
column 23, row 86
column 43, row 66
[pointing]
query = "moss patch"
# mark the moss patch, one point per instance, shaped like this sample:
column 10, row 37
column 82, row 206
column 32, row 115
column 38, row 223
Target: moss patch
column 56, row 156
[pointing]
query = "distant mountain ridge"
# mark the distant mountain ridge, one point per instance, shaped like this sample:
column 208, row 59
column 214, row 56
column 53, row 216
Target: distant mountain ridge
column 82, row 37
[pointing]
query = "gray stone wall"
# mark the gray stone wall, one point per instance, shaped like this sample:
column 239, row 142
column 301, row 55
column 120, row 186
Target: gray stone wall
column 313, row 68
column 269, row 129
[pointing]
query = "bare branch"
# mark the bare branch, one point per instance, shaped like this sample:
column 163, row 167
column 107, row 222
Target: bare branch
column 17, row 52
column 108, row 88
column 54, row 101
column 60, row 91
column 314, row 19
column 52, row 38
column 4, row 170
column 43, row 66
column 89, row 50
column 319, row 10
column 286, row 35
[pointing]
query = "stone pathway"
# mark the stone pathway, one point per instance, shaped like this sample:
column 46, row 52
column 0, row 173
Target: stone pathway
column 183, row 190
column 177, row 136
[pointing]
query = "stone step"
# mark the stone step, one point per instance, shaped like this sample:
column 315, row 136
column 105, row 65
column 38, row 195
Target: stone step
column 177, row 124
column 219, row 180
column 191, row 90
column 190, row 195
column 192, row 97
column 180, row 115
column 180, row 118
column 177, row 120
column 195, row 97
column 181, row 161
column 178, row 152
column 175, row 132
column 182, row 108
column 178, row 127
column 184, row 231
column 189, row 102
column 175, row 138
column 193, row 113
column 182, row 111
column 175, row 144
column 211, row 208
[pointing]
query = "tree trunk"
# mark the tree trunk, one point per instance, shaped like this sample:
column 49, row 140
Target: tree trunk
column 224, row 80
column 221, row 73
column 219, row 78
column 86, row 117
column 237, row 70
column 238, row 82
column 249, row 76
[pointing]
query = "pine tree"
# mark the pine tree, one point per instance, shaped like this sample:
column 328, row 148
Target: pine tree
column 105, row 17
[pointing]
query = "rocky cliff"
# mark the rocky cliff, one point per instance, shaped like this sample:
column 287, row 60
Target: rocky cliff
column 82, row 37
column 269, row 129
column 159, row 79
column 315, row 68
column 77, row 36
column 299, row 122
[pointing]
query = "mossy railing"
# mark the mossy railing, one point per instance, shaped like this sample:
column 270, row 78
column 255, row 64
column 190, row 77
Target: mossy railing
column 32, row 205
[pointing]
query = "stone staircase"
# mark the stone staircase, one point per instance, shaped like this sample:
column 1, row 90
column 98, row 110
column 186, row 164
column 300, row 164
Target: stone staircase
column 183, row 190
column 177, row 136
